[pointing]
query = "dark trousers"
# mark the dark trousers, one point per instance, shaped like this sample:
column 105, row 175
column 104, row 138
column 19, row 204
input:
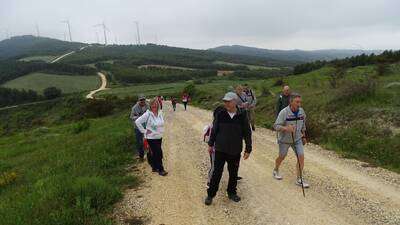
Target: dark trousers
column 139, row 143
column 233, row 167
column 185, row 105
column 174, row 106
column 156, row 154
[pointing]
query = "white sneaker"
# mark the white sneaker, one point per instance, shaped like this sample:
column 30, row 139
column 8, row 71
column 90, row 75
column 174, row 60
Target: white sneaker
column 305, row 184
column 276, row 175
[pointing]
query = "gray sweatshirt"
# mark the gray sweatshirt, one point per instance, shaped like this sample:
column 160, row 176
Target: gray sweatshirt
column 137, row 111
column 251, row 98
column 286, row 117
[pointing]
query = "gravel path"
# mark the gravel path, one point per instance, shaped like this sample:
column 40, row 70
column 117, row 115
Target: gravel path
column 342, row 191
column 102, row 87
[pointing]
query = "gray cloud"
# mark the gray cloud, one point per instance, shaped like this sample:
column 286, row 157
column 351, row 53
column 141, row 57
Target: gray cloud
column 285, row 24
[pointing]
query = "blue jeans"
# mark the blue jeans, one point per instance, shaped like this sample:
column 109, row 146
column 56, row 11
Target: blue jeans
column 139, row 142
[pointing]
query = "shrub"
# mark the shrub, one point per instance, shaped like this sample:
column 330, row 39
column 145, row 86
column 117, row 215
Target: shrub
column 52, row 93
column 356, row 91
column 278, row 82
column 94, row 108
column 80, row 126
column 367, row 142
column 190, row 89
column 382, row 68
column 265, row 90
column 94, row 193
column 7, row 178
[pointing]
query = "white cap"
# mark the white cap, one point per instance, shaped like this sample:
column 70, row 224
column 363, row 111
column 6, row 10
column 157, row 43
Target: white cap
column 229, row 96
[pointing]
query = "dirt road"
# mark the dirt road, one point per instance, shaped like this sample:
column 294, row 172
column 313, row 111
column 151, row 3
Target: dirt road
column 342, row 191
column 102, row 86
column 62, row 56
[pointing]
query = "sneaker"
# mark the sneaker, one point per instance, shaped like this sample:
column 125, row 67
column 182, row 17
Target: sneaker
column 239, row 178
column 305, row 184
column 163, row 173
column 276, row 175
column 234, row 197
column 208, row 200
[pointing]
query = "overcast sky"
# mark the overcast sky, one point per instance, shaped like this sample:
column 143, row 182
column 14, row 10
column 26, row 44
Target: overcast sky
column 274, row 24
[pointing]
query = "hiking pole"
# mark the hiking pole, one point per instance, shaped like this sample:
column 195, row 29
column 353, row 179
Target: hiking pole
column 298, row 162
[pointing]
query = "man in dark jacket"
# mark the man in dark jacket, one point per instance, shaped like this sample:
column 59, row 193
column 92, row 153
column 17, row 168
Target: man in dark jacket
column 230, row 127
column 283, row 99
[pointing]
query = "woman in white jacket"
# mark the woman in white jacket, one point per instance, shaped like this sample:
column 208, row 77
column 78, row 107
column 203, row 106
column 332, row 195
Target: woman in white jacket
column 151, row 124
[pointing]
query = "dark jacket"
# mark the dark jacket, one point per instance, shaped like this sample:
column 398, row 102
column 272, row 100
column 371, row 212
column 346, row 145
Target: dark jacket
column 283, row 102
column 227, row 133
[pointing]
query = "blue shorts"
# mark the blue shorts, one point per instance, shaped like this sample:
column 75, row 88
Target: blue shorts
column 283, row 148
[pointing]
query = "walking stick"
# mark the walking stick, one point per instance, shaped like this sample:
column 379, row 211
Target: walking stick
column 298, row 163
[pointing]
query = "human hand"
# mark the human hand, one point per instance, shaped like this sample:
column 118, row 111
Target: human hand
column 289, row 129
column 210, row 149
column 304, row 140
column 246, row 155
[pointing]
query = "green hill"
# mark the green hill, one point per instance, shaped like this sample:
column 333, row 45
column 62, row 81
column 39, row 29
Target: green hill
column 28, row 45
column 297, row 56
column 166, row 55
column 40, row 81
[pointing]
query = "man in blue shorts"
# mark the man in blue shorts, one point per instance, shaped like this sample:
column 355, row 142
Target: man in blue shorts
column 290, row 125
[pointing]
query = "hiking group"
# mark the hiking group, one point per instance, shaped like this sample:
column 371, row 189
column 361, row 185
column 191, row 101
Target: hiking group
column 233, row 122
column 148, row 122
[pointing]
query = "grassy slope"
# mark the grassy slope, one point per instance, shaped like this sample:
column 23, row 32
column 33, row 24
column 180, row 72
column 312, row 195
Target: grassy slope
column 251, row 67
column 360, row 127
column 166, row 89
column 68, row 84
column 63, row 177
column 45, row 58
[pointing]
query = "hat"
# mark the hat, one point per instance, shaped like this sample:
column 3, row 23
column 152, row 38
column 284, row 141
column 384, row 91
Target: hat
column 229, row 96
column 142, row 97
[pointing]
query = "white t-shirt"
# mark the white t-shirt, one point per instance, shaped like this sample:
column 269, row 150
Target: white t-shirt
column 232, row 114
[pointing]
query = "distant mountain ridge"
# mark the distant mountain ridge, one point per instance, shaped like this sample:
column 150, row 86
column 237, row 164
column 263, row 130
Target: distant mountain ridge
column 296, row 55
column 30, row 45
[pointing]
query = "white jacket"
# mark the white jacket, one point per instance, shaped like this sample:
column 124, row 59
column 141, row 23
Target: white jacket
column 149, row 122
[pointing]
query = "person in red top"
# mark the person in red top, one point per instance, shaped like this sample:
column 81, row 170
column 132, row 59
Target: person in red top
column 185, row 100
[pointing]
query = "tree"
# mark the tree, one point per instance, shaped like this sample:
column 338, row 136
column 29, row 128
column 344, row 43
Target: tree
column 338, row 73
column 52, row 93
column 382, row 68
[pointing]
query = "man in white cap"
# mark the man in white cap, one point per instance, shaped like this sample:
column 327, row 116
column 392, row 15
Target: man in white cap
column 137, row 110
column 230, row 128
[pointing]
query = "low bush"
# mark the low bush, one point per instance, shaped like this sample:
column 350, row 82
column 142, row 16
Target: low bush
column 80, row 126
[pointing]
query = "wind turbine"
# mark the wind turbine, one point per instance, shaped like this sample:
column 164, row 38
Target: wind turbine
column 137, row 32
column 104, row 31
column 37, row 30
column 6, row 33
column 97, row 38
column 69, row 28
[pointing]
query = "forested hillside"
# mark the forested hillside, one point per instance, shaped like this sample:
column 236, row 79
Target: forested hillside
column 28, row 45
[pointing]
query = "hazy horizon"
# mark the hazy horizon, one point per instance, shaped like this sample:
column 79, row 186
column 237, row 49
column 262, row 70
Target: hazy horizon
column 286, row 25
